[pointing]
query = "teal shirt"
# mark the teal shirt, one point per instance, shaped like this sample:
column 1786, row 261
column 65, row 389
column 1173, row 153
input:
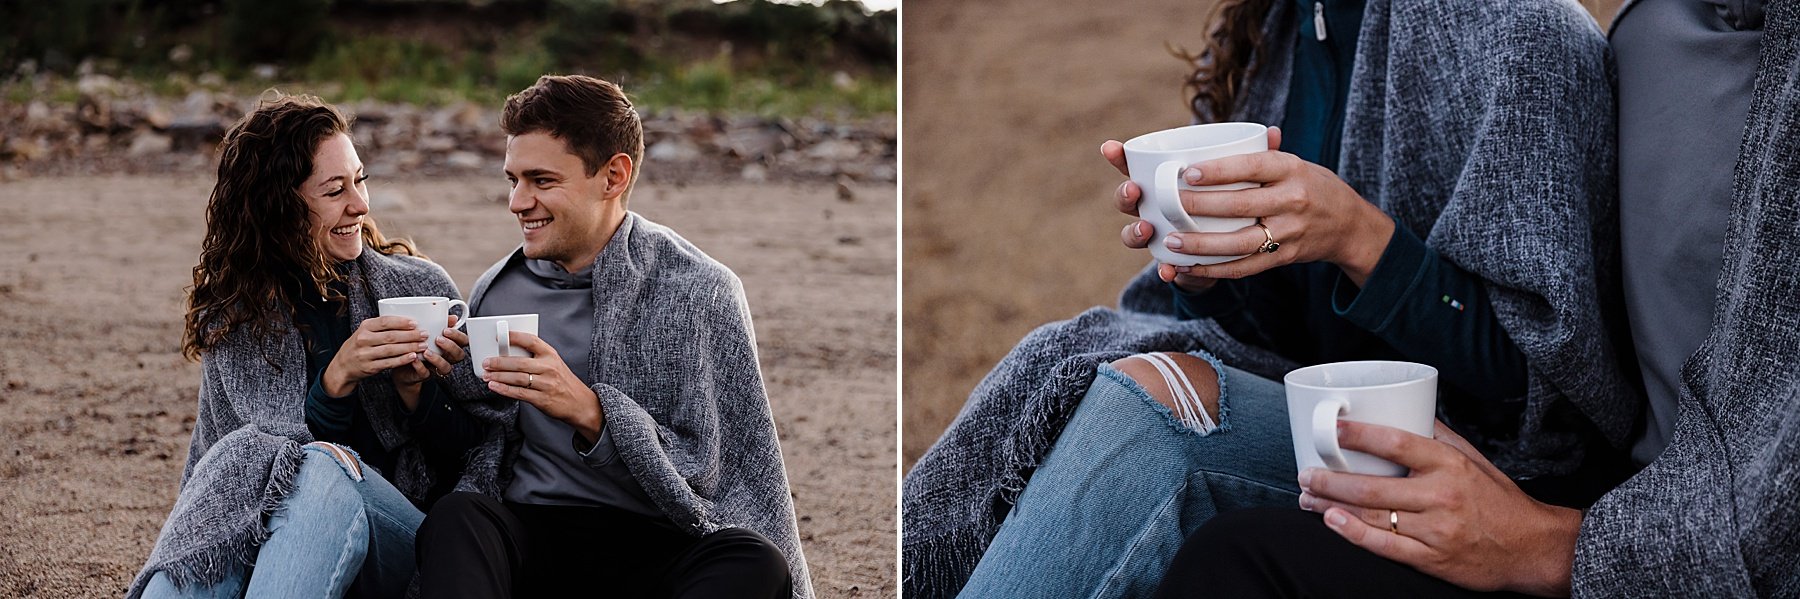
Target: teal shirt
column 1313, row 126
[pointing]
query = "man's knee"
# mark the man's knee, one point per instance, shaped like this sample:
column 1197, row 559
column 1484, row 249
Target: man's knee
column 462, row 510
column 745, row 556
column 751, row 546
column 1174, row 379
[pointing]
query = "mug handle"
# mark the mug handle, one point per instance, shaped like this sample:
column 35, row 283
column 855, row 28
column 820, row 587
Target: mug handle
column 465, row 306
column 1167, row 196
column 1324, row 432
column 503, row 337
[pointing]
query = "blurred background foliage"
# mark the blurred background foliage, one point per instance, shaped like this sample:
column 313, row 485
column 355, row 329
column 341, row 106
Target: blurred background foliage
column 741, row 56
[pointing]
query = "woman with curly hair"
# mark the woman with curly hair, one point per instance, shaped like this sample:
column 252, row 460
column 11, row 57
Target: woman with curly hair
column 1441, row 190
column 310, row 403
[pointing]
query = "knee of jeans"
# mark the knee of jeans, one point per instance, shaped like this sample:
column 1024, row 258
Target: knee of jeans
column 346, row 458
column 1191, row 388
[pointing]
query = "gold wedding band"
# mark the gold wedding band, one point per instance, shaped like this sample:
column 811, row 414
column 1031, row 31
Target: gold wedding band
column 1269, row 245
column 1394, row 521
column 529, row 379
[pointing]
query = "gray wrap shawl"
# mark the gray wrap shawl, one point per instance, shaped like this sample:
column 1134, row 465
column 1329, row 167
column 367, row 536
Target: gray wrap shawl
column 1718, row 513
column 251, row 423
column 1485, row 127
column 674, row 364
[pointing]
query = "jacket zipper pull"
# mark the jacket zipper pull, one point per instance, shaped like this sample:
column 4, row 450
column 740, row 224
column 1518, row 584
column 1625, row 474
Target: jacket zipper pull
column 1319, row 20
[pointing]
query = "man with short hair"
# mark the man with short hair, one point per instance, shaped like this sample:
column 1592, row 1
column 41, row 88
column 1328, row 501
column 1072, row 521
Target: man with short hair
column 643, row 459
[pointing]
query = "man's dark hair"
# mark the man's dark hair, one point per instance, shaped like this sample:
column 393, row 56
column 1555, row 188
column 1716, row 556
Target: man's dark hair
column 592, row 117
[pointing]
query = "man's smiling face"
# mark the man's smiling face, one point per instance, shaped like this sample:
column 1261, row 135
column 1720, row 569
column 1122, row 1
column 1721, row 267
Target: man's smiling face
column 558, row 205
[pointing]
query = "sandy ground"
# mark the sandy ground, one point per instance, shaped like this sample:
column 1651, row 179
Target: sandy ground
column 97, row 406
column 1007, row 205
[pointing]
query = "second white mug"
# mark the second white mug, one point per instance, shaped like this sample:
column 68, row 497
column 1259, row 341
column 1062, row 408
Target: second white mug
column 488, row 336
column 1402, row 395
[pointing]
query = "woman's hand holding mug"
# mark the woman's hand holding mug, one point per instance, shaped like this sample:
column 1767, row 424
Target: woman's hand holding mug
column 391, row 342
column 1308, row 210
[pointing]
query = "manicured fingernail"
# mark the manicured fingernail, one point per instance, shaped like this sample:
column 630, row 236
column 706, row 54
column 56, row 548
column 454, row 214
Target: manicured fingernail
column 1121, row 190
column 1191, row 175
column 1173, row 242
column 1306, row 477
column 493, row 385
column 1137, row 230
column 1183, row 269
column 1335, row 518
column 1306, row 502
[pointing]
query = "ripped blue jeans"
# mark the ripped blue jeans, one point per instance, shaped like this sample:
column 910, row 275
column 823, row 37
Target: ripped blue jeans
column 1126, row 482
column 342, row 523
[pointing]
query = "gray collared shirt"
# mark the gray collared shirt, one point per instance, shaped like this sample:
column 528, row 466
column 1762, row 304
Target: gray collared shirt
column 553, row 468
column 1686, row 70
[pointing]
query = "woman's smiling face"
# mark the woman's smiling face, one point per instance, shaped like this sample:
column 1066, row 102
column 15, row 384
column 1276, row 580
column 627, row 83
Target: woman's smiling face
column 338, row 197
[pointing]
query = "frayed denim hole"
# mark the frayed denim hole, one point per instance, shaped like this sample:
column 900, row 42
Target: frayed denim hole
column 1223, row 421
column 332, row 450
column 1168, row 415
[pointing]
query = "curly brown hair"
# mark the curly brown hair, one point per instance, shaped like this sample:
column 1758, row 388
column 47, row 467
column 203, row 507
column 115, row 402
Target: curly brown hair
column 260, row 249
column 1225, row 61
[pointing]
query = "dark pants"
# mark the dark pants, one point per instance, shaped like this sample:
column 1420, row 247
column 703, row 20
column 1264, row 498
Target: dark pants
column 1286, row 552
column 474, row 546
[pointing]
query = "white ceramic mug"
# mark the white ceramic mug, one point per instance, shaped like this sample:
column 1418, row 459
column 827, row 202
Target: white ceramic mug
column 489, row 335
column 1402, row 395
column 1156, row 161
column 429, row 313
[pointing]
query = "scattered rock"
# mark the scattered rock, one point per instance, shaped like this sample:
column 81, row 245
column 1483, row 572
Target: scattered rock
column 674, row 150
column 146, row 143
column 158, row 117
column 844, row 193
column 754, row 173
column 437, row 143
column 264, row 72
column 181, row 54
column 389, row 199
column 465, row 160
column 757, row 142
column 835, row 150
column 96, row 85
column 37, row 113
column 27, row 149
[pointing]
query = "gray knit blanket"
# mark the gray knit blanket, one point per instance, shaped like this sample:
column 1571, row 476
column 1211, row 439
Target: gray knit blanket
column 251, row 423
column 1484, row 126
column 674, row 364
column 1718, row 513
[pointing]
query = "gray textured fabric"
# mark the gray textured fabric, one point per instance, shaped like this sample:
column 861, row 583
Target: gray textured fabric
column 1483, row 126
column 1718, row 513
column 1685, row 77
column 251, row 423
column 549, row 469
column 673, row 357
